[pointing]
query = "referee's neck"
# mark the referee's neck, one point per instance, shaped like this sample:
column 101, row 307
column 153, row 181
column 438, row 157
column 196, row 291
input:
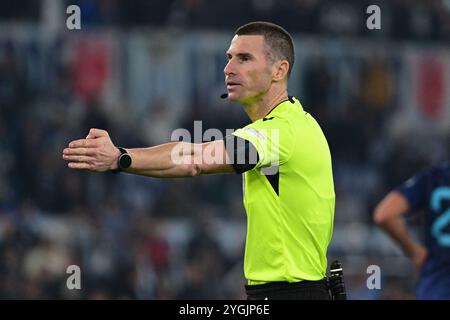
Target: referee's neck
column 259, row 108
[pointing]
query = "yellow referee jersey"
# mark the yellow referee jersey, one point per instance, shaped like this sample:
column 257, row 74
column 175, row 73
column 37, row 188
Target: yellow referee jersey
column 288, row 196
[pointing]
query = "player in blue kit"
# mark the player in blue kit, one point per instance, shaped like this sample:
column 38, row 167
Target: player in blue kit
column 429, row 192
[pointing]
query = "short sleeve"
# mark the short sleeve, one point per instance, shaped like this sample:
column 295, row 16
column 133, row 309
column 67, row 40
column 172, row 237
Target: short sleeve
column 270, row 138
column 414, row 190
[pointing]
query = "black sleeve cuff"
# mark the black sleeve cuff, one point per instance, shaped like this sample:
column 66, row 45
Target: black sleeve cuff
column 242, row 153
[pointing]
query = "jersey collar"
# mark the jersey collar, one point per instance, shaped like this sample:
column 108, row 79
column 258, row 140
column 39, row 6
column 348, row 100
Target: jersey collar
column 290, row 99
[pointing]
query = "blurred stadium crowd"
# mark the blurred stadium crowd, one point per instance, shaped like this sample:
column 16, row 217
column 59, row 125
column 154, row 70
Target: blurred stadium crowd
column 423, row 20
column 141, row 69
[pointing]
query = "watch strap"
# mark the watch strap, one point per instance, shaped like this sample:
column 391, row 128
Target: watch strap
column 122, row 151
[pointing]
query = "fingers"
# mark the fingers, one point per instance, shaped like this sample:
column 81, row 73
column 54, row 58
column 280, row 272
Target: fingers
column 80, row 165
column 93, row 134
column 79, row 151
column 96, row 133
column 74, row 158
column 83, row 143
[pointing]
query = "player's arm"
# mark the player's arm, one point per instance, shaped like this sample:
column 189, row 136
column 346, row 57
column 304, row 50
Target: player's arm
column 389, row 215
column 175, row 159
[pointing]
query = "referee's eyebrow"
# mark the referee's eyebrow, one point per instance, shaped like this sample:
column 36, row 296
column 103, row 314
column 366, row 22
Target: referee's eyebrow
column 240, row 55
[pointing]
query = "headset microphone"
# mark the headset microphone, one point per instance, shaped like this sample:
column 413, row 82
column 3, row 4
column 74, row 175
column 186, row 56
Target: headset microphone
column 224, row 96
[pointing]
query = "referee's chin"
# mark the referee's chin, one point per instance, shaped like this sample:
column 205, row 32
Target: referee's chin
column 233, row 97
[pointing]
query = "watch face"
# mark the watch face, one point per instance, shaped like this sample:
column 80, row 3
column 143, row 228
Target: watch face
column 124, row 161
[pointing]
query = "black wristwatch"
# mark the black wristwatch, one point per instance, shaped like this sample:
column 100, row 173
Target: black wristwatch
column 124, row 160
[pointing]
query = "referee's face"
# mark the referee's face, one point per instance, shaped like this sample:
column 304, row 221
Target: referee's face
column 248, row 73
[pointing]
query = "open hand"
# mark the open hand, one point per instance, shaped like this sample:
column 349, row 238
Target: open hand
column 95, row 153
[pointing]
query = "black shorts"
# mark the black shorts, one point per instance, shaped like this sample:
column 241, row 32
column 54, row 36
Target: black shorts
column 304, row 290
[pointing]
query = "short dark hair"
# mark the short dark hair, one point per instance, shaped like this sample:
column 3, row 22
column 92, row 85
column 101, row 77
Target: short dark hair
column 277, row 39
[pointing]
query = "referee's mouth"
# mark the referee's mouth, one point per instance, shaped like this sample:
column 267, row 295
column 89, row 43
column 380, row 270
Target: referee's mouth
column 231, row 84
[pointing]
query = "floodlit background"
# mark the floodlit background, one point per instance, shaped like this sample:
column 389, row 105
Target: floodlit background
column 141, row 69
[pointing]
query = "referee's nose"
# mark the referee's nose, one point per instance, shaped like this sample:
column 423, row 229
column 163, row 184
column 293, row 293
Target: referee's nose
column 229, row 68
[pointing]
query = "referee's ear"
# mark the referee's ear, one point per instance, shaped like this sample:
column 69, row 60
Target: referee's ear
column 280, row 70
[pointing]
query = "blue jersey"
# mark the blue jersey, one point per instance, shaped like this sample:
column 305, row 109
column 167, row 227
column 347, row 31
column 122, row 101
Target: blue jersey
column 429, row 191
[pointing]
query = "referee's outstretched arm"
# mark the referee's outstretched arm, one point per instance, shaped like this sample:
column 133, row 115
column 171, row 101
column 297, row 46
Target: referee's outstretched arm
column 171, row 160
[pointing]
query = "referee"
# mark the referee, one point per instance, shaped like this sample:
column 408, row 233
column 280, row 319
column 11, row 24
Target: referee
column 283, row 155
